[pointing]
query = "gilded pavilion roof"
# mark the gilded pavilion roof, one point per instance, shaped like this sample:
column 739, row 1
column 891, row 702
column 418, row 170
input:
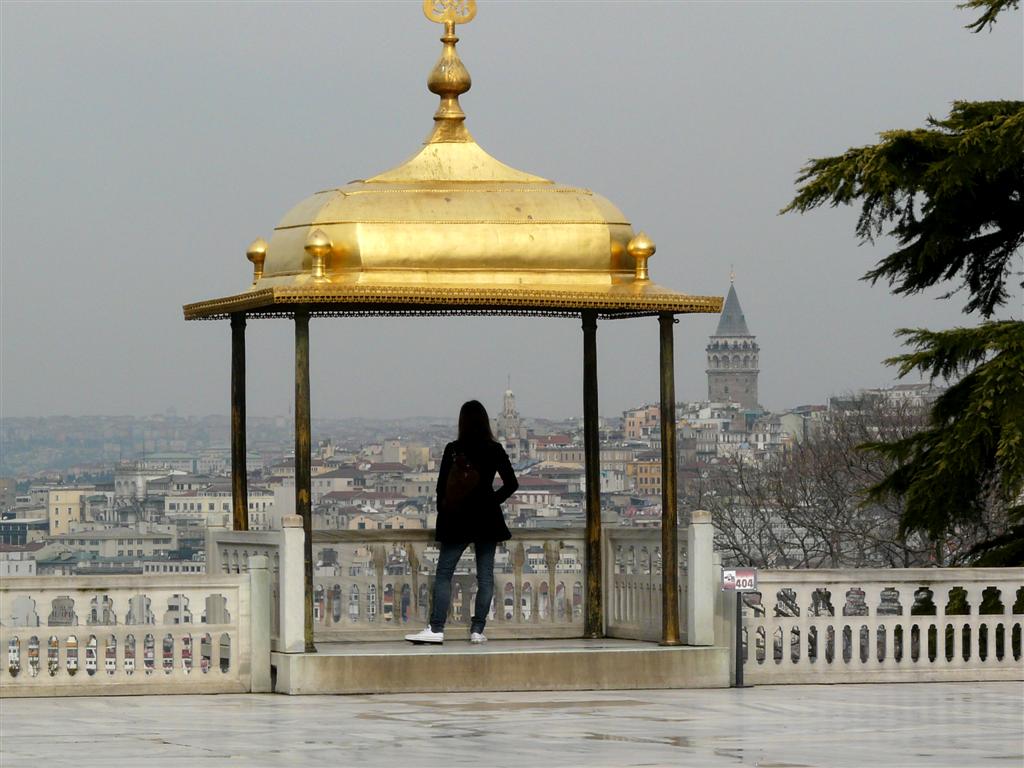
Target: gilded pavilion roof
column 452, row 229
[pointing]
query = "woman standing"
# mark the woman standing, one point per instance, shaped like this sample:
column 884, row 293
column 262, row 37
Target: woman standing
column 469, row 511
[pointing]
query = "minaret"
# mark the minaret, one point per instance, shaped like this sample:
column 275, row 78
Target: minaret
column 732, row 356
column 509, row 424
column 510, row 432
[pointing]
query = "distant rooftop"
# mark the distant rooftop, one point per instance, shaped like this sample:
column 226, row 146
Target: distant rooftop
column 340, row 472
column 30, row 547
column 111, row 533
column 388, row 466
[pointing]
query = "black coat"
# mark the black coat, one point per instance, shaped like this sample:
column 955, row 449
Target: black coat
column 479, row 516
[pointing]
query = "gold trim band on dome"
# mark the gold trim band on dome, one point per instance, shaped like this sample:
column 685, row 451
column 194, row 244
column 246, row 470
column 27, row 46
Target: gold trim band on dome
column 345, row 272
column 454, row 190
column 453, row 222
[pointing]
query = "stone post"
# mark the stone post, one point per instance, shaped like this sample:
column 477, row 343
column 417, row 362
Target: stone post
column 725, row 615
column 292, row 578
column 700, row 583
column 217, row 524
column 259, row 602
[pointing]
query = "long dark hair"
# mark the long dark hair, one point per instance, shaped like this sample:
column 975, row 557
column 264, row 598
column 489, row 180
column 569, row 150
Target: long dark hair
column 474, row 424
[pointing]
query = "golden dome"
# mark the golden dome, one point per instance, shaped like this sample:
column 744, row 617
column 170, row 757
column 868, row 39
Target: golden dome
column 473, row 219
column 453, row 226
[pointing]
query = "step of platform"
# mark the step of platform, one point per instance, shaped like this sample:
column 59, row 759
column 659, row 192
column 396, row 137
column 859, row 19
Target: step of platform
column 499, row 665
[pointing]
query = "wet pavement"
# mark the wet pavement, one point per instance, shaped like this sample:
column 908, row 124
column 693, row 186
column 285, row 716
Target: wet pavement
column 920, row 724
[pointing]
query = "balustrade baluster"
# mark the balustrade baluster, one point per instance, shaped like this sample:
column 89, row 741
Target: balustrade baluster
column 803, row 601
column 1007, row 595
column 518, row 562
column 973, row 620
column 888, row 645
column 953, row 621
column 551, row 553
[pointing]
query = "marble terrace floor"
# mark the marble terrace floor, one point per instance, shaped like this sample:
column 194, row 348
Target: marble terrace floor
column 924, row 724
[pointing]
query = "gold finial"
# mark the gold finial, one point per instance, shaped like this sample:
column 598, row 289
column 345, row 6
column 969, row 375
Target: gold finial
column 449, row 79
column 318, row 245
column 450, row 11
column 257, row 254
column 641, row 248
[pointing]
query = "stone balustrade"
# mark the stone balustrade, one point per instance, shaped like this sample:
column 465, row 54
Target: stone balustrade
column 168, row 633
column 376, row 585
column 156, row 633
column 884, row 625
column 373, row 585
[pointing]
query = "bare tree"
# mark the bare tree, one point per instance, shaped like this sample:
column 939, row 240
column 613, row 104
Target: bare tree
column 805, row 506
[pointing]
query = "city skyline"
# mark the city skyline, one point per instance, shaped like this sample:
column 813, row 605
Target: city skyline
column 194, row 140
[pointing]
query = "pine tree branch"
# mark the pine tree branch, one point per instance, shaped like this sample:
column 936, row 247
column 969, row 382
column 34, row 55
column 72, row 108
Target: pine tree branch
column 992, row 9
column 951, row 195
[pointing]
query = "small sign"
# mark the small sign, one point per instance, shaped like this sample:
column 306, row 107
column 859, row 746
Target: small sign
column 739, row 579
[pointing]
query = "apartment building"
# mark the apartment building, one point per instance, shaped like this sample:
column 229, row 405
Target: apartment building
column 64, row 506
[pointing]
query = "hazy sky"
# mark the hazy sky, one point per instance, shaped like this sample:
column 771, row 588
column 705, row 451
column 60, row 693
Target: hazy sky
column 146, row 144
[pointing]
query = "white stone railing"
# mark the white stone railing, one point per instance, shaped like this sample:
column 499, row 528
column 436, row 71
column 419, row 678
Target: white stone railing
column 633, row 585
column 376, row 585
column 885, row 625
column 159, row 633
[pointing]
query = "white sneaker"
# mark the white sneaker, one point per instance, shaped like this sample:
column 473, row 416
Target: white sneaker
column 477, row 638
column 426, row 636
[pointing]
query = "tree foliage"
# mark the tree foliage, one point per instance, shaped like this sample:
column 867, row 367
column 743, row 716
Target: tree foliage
column 971, row 455
column 990, row 10
column 952, row 197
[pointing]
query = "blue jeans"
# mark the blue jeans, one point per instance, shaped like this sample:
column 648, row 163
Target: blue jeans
column 446, row 562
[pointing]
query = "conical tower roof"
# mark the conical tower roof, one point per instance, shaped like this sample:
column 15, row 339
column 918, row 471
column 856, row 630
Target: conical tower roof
column 732, row 322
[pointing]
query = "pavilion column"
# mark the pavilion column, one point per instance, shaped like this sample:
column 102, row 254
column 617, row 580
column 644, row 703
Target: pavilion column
column 669, row 511
column 593, row 614
column 303, row 468
column 239, row 480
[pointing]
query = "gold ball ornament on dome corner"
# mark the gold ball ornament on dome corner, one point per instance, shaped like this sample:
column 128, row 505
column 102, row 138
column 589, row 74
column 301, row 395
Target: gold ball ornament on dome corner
column 318, row 246
column 641, row 248
column 257, row 254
